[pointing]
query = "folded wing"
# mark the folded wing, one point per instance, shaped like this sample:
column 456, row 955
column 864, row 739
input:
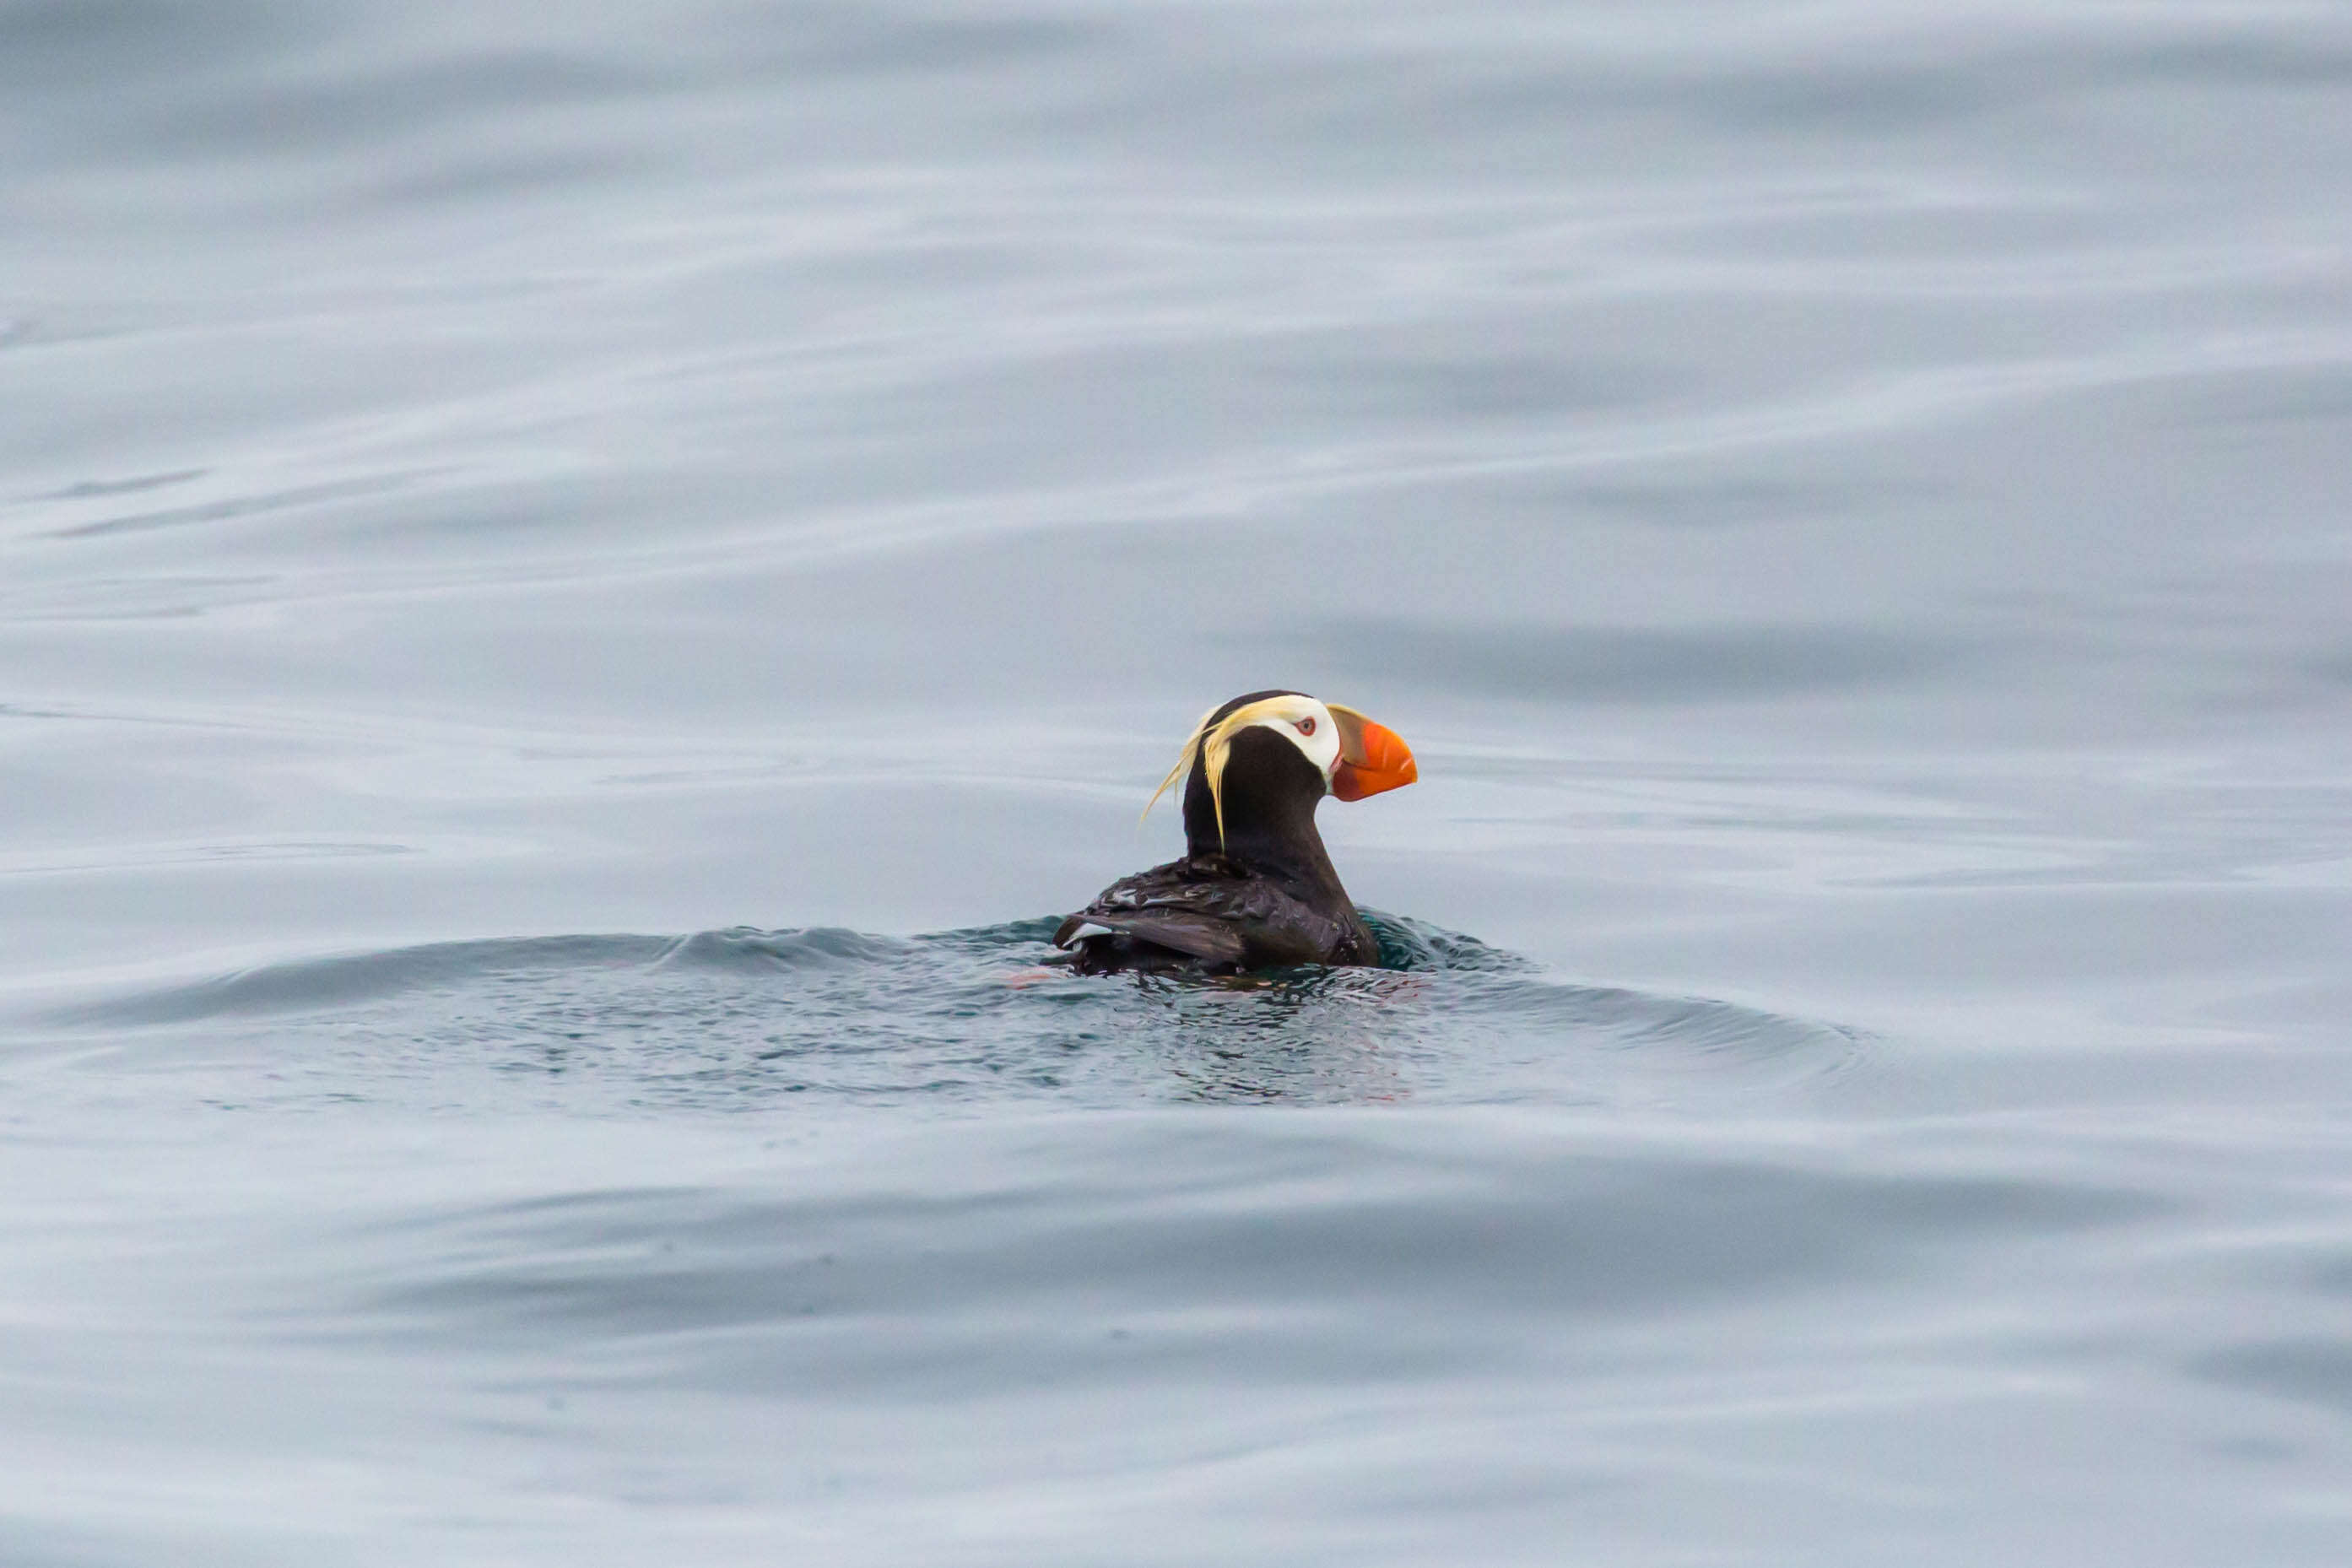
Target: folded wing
column 1205, row 913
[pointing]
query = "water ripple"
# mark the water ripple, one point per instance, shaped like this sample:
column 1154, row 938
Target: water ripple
column 743, row 1019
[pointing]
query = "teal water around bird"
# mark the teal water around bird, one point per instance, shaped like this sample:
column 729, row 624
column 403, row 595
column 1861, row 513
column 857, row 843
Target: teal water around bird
column 953, row 1022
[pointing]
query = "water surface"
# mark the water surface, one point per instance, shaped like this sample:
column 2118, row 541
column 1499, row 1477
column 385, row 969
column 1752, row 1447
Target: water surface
column 574, row 587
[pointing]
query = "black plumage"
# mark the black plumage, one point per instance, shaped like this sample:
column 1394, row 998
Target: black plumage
column 1256, row 890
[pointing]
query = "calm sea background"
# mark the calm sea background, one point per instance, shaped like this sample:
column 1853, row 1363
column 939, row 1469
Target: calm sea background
column 573, row 580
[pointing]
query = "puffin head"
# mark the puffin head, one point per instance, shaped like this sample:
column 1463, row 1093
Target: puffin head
column 1256, row 744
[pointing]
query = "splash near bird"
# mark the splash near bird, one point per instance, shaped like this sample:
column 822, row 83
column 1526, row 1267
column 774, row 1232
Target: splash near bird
column 1255, row 888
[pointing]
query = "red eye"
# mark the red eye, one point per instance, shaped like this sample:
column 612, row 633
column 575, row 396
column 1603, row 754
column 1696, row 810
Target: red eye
column 1306, row 726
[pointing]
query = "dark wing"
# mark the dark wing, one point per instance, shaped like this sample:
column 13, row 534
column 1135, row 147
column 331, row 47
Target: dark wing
column 1203, row 937
column 1209, row 910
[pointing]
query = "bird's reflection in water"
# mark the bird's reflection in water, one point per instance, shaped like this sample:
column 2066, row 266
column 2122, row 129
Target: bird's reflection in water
column 1313, row 1037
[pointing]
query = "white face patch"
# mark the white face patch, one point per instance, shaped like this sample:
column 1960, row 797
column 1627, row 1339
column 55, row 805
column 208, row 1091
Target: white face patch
column 1305, row 723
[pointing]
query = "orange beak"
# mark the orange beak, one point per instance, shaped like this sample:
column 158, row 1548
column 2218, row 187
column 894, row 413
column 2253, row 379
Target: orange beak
column 1372, row 758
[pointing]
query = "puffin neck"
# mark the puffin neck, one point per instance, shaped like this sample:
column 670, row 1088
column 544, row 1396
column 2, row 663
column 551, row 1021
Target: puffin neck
column 1271, row 792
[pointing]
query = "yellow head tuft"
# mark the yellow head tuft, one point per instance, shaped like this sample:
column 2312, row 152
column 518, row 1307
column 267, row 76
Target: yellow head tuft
column 1210, row 745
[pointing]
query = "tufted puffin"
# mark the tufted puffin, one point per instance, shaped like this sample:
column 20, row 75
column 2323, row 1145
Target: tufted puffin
column 1255, row 889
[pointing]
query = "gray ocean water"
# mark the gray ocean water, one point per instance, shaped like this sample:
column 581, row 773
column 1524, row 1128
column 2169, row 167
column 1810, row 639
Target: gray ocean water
column 574, row 582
